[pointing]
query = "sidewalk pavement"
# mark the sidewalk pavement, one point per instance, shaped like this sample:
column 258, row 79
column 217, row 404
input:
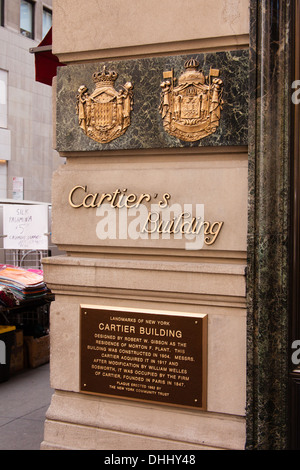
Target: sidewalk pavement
column 24, row 400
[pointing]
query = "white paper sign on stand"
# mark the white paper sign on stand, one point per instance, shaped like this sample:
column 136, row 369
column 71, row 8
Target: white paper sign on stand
column 25, row 227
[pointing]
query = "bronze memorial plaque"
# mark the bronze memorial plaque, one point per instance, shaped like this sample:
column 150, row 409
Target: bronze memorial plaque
column 144, row 355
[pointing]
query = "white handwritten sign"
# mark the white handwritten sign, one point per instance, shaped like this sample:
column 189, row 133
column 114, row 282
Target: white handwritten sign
column 25, row 227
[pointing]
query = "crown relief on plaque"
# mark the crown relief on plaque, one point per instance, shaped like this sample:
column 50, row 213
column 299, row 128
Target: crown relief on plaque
column 104, row 115
column 191, row 109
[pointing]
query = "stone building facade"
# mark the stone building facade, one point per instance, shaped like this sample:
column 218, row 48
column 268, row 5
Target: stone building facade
column 26, row 150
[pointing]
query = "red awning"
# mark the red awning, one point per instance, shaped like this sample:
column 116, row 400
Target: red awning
column 45, row 62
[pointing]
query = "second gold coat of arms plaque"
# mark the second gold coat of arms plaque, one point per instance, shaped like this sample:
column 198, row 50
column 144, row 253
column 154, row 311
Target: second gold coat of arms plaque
column 192, row 109
column 104, row 115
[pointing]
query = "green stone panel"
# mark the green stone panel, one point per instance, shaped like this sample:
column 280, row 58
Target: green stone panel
column 146, row 129
column 268, row 269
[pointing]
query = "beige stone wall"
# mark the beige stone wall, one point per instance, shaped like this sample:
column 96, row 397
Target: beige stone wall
column 147, row 27
column 189, row 178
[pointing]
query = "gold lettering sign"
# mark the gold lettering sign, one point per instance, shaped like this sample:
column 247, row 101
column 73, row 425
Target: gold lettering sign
column 79, row 197
column 105, row 114
column 192, row 109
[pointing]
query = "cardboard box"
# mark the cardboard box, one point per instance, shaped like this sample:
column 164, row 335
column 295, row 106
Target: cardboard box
column 38, row 350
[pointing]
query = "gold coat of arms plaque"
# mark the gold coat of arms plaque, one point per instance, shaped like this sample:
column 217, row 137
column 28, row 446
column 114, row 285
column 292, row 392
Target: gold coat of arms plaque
column 191, row 109
column 104, row 115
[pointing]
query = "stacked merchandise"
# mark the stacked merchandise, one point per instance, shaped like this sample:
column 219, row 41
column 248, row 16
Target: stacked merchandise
column 20, row 286
column 24, row 305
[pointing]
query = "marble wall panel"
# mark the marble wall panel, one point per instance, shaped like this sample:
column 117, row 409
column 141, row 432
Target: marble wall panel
column 146, row 129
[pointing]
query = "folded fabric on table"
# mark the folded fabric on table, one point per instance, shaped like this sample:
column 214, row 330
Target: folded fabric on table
column 18, row 285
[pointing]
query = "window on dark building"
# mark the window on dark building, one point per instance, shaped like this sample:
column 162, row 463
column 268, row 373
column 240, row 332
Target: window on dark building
column 27, row 19
column 47, row 21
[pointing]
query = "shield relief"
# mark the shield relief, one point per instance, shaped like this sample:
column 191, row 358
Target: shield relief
column 192, row 109
column 105, row 114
